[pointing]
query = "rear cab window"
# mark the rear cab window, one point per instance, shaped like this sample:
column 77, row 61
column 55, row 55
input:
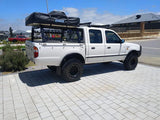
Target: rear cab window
column 70, row 35
column 95, row 36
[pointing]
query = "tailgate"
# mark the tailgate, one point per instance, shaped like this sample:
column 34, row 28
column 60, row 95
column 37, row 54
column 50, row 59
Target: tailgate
column 29, row 50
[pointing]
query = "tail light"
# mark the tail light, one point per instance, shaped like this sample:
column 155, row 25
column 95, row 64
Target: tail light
column 35, row 52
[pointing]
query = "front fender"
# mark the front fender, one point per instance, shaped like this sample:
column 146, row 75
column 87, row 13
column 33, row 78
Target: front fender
column 133, row 47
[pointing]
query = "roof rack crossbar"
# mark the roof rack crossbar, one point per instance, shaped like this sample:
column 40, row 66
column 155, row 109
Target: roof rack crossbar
column 88, row 24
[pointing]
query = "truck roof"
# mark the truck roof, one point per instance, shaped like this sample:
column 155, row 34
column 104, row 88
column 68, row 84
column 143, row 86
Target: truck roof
column 98, row 28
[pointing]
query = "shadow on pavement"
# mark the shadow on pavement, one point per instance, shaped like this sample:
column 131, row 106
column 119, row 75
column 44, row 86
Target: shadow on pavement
column 46, row 76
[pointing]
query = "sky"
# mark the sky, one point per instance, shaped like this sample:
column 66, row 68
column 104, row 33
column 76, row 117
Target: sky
column 13, row 12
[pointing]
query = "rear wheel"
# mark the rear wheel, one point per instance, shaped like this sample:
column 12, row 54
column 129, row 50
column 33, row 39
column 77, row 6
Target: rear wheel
column 131, row 62
column 72, row 70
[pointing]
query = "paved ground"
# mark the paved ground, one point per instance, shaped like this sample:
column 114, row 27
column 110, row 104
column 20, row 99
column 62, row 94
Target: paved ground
column 104, row 92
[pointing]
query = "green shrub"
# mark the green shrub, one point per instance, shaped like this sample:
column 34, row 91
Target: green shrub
column 13, row 61
column 7, row 47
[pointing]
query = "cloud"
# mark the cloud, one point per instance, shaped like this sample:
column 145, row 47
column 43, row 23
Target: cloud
column 1, row 20
column 158, row 13
column 91, row 15
column 73, row 12
column 18, row 24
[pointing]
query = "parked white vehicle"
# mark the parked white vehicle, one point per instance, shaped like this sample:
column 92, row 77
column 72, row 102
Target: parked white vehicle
column 74, row 47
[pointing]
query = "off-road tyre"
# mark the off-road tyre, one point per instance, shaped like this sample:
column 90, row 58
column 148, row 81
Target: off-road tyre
column 131, row 62
column 72, row 70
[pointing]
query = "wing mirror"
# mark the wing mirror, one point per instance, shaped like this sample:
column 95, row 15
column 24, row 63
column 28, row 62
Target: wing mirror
column 122, row 40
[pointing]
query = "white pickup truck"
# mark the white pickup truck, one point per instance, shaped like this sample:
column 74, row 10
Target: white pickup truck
column 67, row 50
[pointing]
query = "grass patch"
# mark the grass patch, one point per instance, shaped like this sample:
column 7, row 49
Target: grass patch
column 8, row 42
column 30, row 64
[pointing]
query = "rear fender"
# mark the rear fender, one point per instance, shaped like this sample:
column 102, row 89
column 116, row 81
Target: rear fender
column 72, row 56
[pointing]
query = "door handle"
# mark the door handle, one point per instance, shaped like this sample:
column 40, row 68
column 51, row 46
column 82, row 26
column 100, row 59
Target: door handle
column 93, row 48
column 108, row 47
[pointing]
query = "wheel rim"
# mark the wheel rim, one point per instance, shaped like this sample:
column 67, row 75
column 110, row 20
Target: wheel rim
column 73, row 71
column 133, row 62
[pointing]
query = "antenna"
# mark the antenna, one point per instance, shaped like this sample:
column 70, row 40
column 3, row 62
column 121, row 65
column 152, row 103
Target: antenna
column 47, row 6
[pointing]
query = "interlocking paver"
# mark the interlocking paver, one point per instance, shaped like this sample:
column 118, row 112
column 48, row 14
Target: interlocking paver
column 84, row 117
column 33, row 115
column 108, row 116
column 130, row 116
column 151, row 114
column 90, row 111
column 21, row 116
column 1, row 116
column 141, row 115
column 60, row 118
column 97, row 117
column 57, row 113
column 45, row 114
column 158, row 118
column 119, row 116
column 104, row 92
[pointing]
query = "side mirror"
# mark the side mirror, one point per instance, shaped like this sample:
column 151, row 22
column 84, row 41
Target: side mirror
column 122, row 40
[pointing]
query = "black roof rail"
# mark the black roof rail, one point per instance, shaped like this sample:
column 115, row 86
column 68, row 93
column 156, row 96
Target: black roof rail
column 86, row 24
column 101, row 26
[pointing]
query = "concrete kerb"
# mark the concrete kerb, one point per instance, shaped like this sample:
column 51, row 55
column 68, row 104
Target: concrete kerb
column 134, row 39
column 13, row 45
column 152, row 61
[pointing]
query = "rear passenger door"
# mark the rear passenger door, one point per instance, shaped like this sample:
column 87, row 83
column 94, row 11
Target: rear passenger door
column 95, row 52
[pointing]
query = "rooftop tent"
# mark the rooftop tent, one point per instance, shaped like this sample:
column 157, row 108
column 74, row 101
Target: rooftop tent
column 54, row 18
column 57, row 14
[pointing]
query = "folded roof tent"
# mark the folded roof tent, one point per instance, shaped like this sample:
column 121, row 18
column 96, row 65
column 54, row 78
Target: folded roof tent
column 52, row 19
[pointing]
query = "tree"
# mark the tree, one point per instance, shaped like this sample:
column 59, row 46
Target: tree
column 11, row 31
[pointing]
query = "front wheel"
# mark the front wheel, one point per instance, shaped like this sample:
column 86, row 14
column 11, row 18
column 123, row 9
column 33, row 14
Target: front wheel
column 72, row 70
column 131, row 62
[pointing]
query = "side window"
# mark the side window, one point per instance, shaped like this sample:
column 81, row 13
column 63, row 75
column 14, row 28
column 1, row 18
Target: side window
column 95, row 36
column 111, row 37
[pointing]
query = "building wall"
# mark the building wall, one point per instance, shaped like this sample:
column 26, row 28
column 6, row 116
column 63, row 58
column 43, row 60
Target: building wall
column 151, row 26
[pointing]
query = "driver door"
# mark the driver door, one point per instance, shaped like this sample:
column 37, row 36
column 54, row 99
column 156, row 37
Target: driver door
column 112, row 46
